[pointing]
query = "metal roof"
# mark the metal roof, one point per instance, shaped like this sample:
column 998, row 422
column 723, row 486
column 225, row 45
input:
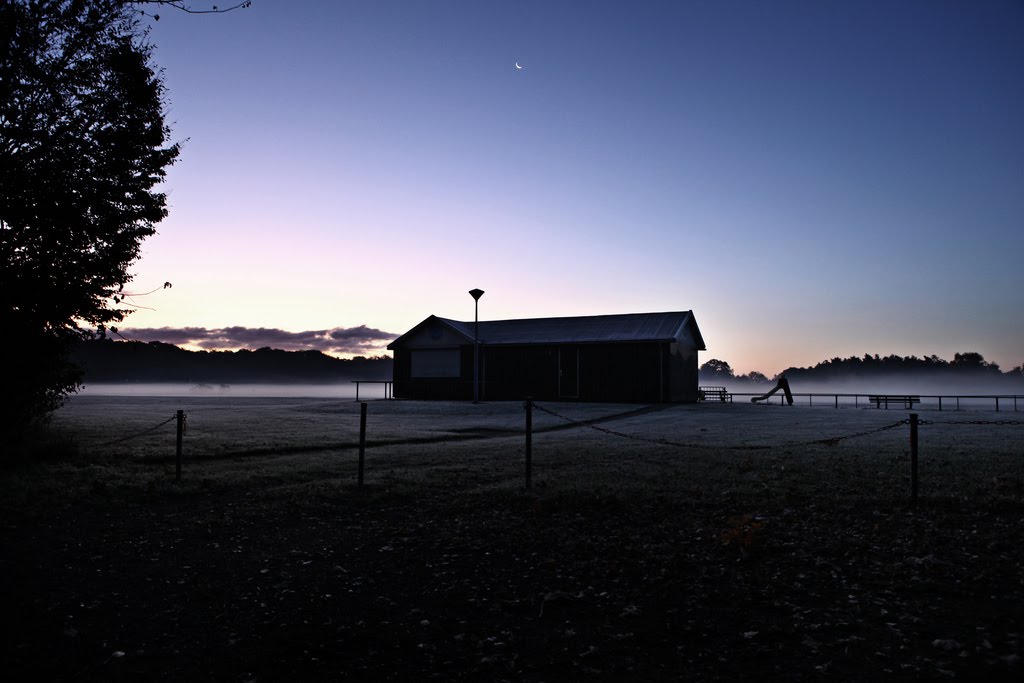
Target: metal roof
column 628, row 327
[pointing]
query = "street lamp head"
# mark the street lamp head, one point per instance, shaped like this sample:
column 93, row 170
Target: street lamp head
column 476, row 294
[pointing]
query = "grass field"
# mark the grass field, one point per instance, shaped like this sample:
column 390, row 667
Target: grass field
column 712, row 541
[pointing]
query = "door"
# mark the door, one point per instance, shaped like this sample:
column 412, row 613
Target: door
column 568, row 372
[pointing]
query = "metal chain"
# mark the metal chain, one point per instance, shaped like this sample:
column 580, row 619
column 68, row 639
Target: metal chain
column 612, row 432
column 138, row 434
column 832, row 441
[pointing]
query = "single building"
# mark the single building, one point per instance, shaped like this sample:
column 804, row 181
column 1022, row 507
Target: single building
column 635, row 357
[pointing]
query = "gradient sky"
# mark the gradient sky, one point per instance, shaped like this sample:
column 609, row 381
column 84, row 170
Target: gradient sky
column 812, row 179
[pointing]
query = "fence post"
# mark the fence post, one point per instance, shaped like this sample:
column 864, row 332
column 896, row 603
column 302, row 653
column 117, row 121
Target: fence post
column 180, row 415
column 529, row 440
column 913, row 457
column 362, row 440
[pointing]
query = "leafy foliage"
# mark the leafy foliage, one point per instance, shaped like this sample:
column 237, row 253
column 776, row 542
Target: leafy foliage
column 105, row 360
column 83, row 144
column 967, row 363
column 716, row 369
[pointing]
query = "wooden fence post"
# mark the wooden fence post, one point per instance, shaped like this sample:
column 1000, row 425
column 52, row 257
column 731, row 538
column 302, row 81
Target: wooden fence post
column 913, row 457
column 362, row 440
column 180, row 415
column 529, row 440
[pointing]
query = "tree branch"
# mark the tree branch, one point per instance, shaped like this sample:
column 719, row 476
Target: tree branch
column 182, row 6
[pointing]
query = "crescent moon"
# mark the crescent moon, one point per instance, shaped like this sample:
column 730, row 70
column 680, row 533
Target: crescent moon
column 517, row 66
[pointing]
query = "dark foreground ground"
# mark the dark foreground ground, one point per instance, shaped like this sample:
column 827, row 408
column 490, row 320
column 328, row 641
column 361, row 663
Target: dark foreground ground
column 629, row 559
column 431, row 583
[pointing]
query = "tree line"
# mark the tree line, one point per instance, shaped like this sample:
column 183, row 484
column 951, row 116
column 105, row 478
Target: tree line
column 107, row 361
column 967, row 365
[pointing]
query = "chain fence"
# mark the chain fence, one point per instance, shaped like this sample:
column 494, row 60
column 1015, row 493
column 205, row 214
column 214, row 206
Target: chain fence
column 829, row 441
column 833, row 441
column 141, row 433
column 583, row 423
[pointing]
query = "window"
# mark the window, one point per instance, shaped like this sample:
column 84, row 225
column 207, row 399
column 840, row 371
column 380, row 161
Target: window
column 436, row 363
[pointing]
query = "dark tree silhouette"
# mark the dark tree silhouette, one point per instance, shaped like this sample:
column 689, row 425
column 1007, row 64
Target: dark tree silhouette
column 715, row 371
column 83, row 144
column 971, row 360
column 105, row 360
column 965, row 365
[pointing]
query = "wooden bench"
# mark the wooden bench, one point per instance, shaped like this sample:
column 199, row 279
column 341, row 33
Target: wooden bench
column 713, row 393
column 906, row 401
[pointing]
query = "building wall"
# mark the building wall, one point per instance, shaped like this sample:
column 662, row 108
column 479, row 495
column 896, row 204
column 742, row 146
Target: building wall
column 517, row 372
column 627, row 373
column 442, row 388
column 630, row 373
column 682, row 373
column 586, row 372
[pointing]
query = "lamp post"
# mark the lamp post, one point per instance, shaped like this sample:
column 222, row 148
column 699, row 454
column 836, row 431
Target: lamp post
column 476, row 294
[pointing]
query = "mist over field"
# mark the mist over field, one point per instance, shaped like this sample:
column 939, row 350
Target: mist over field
column 371, row 391
column 343, row 390
column 966, row 374
column 160, row 369
column 894, row 384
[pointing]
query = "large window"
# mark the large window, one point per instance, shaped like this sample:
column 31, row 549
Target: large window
column 436, row 363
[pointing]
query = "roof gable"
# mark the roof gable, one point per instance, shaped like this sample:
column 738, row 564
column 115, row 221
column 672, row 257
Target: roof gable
column 676, row 326
column 434, row 332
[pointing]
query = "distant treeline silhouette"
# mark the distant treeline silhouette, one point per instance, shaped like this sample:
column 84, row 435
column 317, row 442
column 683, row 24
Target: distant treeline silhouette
column 108, row 361
column 967, row 366
column 105, row 361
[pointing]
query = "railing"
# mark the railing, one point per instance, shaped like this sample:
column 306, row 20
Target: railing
column 708, row 393
column 934, row 401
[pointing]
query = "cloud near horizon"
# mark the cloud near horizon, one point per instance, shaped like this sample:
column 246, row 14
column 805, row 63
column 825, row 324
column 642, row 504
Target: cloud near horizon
column 354, row 341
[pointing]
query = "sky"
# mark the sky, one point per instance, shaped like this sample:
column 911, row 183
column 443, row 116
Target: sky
column 812, row 179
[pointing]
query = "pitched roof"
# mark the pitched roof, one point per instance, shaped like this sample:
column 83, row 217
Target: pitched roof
column 627, row 327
